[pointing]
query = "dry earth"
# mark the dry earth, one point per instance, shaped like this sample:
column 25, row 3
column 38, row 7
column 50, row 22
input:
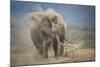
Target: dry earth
column 33, row 58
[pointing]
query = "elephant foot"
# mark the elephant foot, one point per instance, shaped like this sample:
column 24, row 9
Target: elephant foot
column 59, row 57
column 56, row 57
column 46, row 57
column 62, row 54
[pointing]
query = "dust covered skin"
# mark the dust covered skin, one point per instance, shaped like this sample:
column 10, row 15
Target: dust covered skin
column 46, row 26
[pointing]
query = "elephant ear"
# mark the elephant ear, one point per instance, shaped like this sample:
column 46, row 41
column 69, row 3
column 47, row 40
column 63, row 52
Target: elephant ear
column 37, row 16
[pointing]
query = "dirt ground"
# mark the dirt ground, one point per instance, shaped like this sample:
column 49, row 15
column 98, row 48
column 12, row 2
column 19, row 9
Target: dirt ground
column 33, row 58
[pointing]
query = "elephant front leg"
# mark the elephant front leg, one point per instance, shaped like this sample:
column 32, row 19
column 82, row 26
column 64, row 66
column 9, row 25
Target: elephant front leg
column 59, row 44
column 62, row 46
column 41, row 51
column 56, row 47
column 61, row 50
column 45, row 49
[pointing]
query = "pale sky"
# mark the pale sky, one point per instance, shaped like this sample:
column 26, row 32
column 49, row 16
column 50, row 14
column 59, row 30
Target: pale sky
column 79, row 15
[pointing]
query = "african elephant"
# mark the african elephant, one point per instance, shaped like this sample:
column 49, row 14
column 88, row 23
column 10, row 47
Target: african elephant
column 48, row 28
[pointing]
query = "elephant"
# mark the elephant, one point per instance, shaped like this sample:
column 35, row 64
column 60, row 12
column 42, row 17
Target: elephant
column 48, row 28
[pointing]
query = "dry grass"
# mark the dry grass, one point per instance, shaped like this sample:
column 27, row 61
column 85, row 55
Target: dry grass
column 82, row 55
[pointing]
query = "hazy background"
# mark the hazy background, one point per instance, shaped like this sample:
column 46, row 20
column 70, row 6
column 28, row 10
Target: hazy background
column 80, row 22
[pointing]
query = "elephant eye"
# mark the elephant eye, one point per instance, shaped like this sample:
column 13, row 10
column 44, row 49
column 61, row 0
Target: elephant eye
column 55, row 19
column 49, row 23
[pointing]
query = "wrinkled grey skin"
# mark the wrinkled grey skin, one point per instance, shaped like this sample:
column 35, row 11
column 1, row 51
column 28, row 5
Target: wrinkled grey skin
column 47, row 29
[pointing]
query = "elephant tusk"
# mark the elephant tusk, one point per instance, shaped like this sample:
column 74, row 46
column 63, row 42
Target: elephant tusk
column 62, row 44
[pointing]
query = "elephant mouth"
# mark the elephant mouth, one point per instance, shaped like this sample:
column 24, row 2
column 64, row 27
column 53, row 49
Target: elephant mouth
column 51, row 34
